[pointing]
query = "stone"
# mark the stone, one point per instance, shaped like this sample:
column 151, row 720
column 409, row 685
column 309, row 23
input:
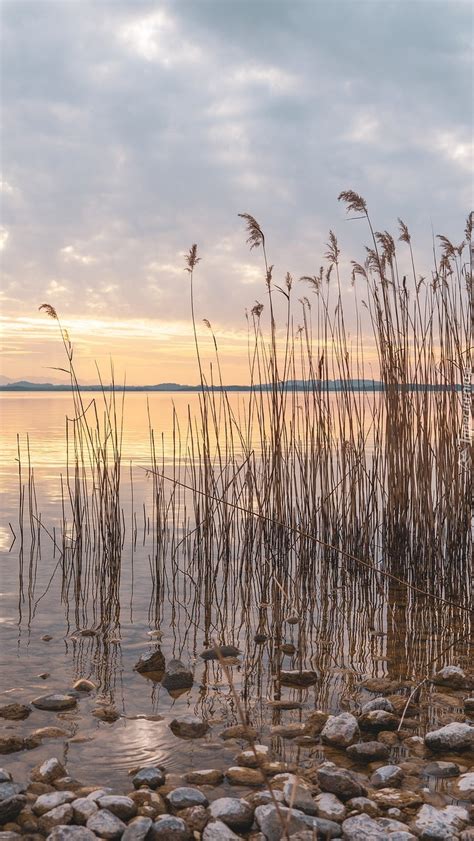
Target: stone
column 219, row 831
column 15, row 712
column 153, row 661
column 106, row 713
column 378, row 704
column 59, row 816
column 363, row 804
column 368, row 751
column 387, row 775
column 5, row 776
column 177, row 677
column 401, row 799
column 469, row 704
column 463, row 789
column 138, row 829
column 221, row 650
column 340, row 782
column 235, row 813
column 195, row 818
column 315, row 722
column 169, row 828
column 376, row 720
column 185, row 796
column 55, row 702
column 49, row 733
column 49, row 770
column 150, row 776
column 452, row 676
column 46, row 802
column 123, row 807
column 296, row 795
column 441, row 770
column 288, row 731
column 71, row 833
column 269, row 822
column 107, row 825
column 432, row 824
column 340, row 730
column 456, row 736
column 189, row 727
column 253, row 758
column 363, row 828
column 83, row 809
column 285, row 704
column 84, row 685
column 293, row 677
column 11, row 807
column 97, row 793
column 206, row 777
column 239, row 731
column 240, row 776
column 329, row 806
column 10, row 743
column 10, row 836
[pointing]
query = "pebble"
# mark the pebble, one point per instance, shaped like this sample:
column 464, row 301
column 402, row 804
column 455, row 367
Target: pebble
column 253, row 758
column 59, row 816
column 368, row 751
column 11, row 807
column 376, row 720
column 378, row 704
column 169, row 828
column 464, row 787
column 150, row 776
column 183, row 797
column 106, row 713
column 5, row 776
column 288, row 731
column 10, row 743
column 441, row 769
column 363, row 804
column 452, row 676
column 107, row 825
column 138, row 829
column 298, row 678
column 71, row 833
column 340, row 782
column 235, row 813
column 454, row 736
column 84, row 685
column 189, row 727
column 389, row 797
column 46, row 802
column 49, row 770
column 340, row 730
column 329, row 806
column 387, row 775
column 240, row 776
column 206, row 777
column 440, row 824
column 239, row 731
column 83, row 809
column 297, row 795
column 55, row 702
column 363, row 828
column 218, row 831
column 153, row 661
column 177, row 677
column 195, row 818
column 15, row 712
column 123, row 807
column 220, row 651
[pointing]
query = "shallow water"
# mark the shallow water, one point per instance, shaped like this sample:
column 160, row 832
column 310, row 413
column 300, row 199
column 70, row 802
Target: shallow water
column 349, row 628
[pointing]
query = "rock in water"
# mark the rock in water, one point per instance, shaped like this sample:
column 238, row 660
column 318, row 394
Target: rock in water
column 154, row 661
column 368, row 751
column 299, row 679
column 107, row 825
column 238, row 814
column 185, row 796
column 340, row 730
column 189, row 727
column 220, row 650
column 341, row 782
column 177, row 676
column 151, row 777
column 452, row 676
column 440, row 824
column 56, row 702
column 454, row 736
column 15, row 712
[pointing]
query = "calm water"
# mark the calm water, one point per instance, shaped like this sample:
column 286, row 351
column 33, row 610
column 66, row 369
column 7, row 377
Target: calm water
column 357, row 629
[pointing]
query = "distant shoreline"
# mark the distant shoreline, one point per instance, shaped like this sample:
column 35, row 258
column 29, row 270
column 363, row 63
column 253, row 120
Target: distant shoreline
column 173, row 388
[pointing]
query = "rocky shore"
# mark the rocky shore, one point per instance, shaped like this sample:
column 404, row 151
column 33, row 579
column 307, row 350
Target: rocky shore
column 374, row 779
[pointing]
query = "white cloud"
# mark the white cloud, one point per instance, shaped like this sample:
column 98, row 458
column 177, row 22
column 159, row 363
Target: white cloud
column 4, row 237
column 71, row 255
column 157, row 38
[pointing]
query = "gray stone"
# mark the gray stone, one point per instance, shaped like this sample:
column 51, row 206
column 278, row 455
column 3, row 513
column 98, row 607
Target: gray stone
column 368, row 751
column 441, row 769
column 5, row 776
column 84, row 685
column 11, row 789
column 454, row 736
column 402, row 835
column 218, row 831
column 363, row 828
column 378, row 704
column 432, row 824
column 221, row 650
column 46, row 802
column 269, row 821
column 153, row 661
column 83, row 809
column 237, row 814
column 205, row 777
column 185, row 796
column 293, row 677
column 189, row 727
column 387, row 775
column 452, row 676
column 49, row 770
column 11, row 808
column 463, row 789
column 340, row 730
column 56, row 702
column 341, row 782
column 298, row 796
column 377, row 720
column 138, row 829
column 98, row 793
column 177, row 676
column 107, row 825
column 59, row 816
column 123, row 807
column 330, row 807
column 149, row 776
column 71, row 833
column 169, row 828
column 364, row 804
column 392, row 825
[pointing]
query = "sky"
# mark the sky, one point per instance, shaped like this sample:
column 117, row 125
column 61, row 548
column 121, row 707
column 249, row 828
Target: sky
column 133, row 129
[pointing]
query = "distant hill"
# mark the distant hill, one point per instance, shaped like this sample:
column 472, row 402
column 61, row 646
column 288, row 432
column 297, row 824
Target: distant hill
column 296, row 385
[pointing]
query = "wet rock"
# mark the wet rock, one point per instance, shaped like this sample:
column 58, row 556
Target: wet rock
column 49, row 770
column 59, row 816
column 150, row 776
column 97, row 793
column 288, row 731
column 220, row 651
column 71, row 833
column 10, row 743
column 219, row 831
column 138, row 829
column 364, row 804
column 55, row 702
column 240, row 776
column 340, row 730
column 390, row 797
column 189, row 727
column 455, row 736
column 329, row 806
column 15, row 712
column 185, row 796
column 84, row 685
column 153, row 661
column 264, row 796
column 239, row 731
column 169, row 828
column 11, row 807
column 106, row 713
column 469, row 704
column 286, row 704
column 5, row 776
column 237, row 814
column 452, row 676
column 177, row 676
column 49, row 733
column 46, row 802
column 378, row 704
column 441, row 769
column 416, row 745
column 297, row 678
column 288, row 648
column 433, row 824
column 83, row 809
column 393, row 825
column 464, row 787
column 154, row 803
column 269, row 821
column 253, row 758
column 123, row 807
column 376, row 720
column 315, row 722
column 387, row 775
column 382, row 685
column 296, row 795
column 340, row 782
column 107, row 825
column 10, row 789
column 363, row 828
column 195, row 818
column 368, row 751
column 206, row 777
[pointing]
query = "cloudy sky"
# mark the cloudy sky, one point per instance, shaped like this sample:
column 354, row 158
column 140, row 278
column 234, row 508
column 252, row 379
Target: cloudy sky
column 133, row 129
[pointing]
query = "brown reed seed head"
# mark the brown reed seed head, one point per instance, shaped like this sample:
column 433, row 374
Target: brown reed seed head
column 191, row 258
column 255, row 234
column 404, row 232
column 49, row 310
column 355, row 203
